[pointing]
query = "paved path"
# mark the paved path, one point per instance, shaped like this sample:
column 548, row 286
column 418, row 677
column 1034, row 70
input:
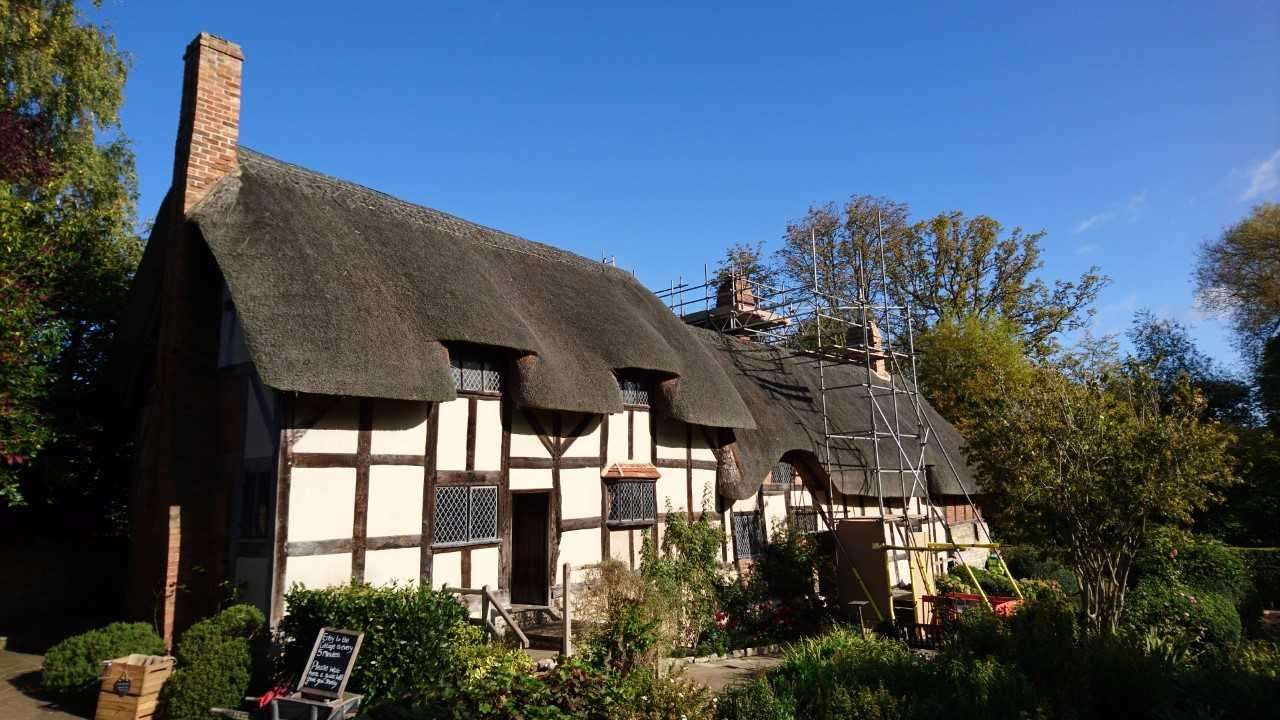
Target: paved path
column 19, row 687
column 716, row 675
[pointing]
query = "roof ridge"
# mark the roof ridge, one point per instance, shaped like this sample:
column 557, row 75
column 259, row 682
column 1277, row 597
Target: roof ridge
column 548, row 252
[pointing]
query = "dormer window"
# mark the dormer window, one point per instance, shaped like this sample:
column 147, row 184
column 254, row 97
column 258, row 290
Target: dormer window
column 634, row 391
column 476, row 372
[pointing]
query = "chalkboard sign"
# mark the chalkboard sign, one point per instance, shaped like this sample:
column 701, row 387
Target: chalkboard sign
column 329, row 666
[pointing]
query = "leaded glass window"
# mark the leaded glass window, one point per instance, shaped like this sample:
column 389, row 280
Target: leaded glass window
column 476, row 373
column 804, row 519
column 748, row 534
column 465, row 514
column 632, row 501
column 782, row 474
column 634, row 392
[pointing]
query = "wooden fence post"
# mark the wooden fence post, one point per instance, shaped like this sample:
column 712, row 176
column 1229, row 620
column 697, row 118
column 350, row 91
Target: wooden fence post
column 566, row 647
column 484, row 610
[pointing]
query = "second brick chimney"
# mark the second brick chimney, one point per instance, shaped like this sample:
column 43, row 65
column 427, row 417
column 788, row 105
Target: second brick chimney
column 209, row 124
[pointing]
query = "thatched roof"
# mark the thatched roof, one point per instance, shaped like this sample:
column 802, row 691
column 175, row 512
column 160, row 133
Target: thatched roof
column 342, row 290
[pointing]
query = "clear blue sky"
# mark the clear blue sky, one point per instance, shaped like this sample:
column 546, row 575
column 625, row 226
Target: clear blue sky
column 1129, row 131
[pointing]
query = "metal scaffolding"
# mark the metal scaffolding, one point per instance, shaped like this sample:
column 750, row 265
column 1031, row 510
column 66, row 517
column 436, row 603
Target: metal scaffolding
column 876, row 333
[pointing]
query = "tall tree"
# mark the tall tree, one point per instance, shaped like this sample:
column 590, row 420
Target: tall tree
column 746, row 260
column 1087, row 467
column 966, row 365
column 66, row 216
column 1239, row 275
column 950, row 265
column 1167, row 349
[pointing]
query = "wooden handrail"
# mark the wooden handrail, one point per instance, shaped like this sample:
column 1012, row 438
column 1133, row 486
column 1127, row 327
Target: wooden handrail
column 490, row 599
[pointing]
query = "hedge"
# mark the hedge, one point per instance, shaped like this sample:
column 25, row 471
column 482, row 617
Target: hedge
column 408, row 640
column 215, row 662
column 75, row 664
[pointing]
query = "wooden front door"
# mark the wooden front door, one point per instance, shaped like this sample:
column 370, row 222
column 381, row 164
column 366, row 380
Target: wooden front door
column 530, row 513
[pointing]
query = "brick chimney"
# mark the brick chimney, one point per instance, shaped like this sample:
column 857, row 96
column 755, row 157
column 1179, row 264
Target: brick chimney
column 209, row 125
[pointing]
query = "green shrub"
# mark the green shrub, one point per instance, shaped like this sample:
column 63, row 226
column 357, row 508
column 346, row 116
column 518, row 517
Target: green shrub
column 1201, row 619
column 992, row 583
column 1196, row 561
column 409, row 640
column 753, row 701
column 1264, row 583
column 75, row 664
column 215, row 663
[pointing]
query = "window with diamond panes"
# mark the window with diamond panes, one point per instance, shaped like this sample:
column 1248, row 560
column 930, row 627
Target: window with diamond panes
column 465, row 514
column 782, row 474
column 476, row 374
column 632, row 501
column 634, row 392
column 748, row 534
column 804, row 519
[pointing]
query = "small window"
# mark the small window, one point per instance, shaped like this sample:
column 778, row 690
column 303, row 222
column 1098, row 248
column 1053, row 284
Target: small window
column 748, row 534
column 782, row 474
column 632, row 501
column 804, row 519
column 465, row 514
column 476, row 373
column 634, row 392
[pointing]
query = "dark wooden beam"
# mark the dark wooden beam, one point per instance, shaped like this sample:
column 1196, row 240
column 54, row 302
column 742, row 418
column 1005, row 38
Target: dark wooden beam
column 580, row 524
column 360, row 521
column 429, row 494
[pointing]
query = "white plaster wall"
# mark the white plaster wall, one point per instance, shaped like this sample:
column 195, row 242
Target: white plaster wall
column 671, row 439
column 701, row 450
column 673, row 491
column 524, row 441
column 643, row 438
column 704, row 487
column 321, row 504
column 775, row 512
column 318, row 571
column 748, row 504
column 399, row 428
column 618, row 547
column 337, row 429
column 488, row 435
column 580, row 547
column 397, row 565
column 451, row 444
column 618, row 437
column 395, row 500
column 484, row 568
column 579, row 493
column 587, row 444
column 531, row 479
column 446, row 569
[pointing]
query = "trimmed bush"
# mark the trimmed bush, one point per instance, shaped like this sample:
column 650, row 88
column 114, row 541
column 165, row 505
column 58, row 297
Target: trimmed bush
column 1203, row 619
column 215, row 663
column 75, row 664
column 409, row 640
column 1196, row 561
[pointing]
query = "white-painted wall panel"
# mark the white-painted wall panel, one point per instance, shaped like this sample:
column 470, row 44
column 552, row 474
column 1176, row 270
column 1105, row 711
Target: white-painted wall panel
column 524, row 441
column 399, row 428
column 704, row 490
column 446, row 568
column 397, row 565
column 580, row 493
column 587, row 444
column 451, row 446
column 775, row 512
column 673, row 490
column 671, row 439
column 395, row 500
column 618, row 437
column 701, row 450
column 643, row 438
column 579, row 547
column 336, row 430
column 484, row 568
column 747, row 504
column 488, row 435
column 318, row 571
column 618, row 545
column 530, row 479
column 321, row 503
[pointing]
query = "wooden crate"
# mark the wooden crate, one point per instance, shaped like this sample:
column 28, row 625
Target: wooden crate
column 145, row 675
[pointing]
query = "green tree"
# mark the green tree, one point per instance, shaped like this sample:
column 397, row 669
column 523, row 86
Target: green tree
column 1169, row 352
column 1087, row 466
column 1238, row 274
column 746, row 260
column 965, row 365
column 950, row 265
column 66, row 217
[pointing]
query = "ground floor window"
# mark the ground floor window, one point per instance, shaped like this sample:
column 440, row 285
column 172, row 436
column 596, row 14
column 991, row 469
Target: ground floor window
column 804, row 519
column 748, row 534
column 465, row 514
column 632, row 501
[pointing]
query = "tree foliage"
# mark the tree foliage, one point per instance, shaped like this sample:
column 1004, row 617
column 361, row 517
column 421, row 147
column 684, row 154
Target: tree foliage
column 965, row 365
column 949, row 265
column 1169, row 352
column 66, row 219
column 1086, row 466
column 1239, row 275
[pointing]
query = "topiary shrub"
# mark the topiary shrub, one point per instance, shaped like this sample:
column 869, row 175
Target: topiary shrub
column 409, row 638
column 1196, row 561
column 75, row 664
column 1170, row 610
column 215, row 662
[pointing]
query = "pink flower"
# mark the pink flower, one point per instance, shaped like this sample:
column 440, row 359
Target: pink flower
column 1173, row 553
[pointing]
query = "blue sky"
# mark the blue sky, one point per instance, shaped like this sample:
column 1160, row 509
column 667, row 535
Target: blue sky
column 661, row 134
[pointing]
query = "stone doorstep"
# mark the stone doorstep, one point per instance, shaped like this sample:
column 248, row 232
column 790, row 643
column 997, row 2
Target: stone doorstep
column 740, row 653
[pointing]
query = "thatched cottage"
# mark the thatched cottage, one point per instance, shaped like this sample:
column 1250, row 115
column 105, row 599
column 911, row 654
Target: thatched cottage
column 326, row 383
